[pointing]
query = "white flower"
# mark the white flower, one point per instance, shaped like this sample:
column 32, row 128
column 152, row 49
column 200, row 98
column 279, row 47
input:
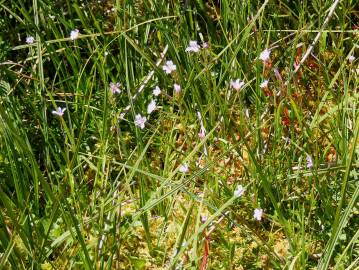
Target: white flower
column 177, row 88
column 157, row 91
column 74, row 34
column 239, row 191
column 205, row 45
column 151, row 106
column 115, row 88
column 30, row 39
column 140, row 121
column 59, row 111
column 237, row 84
column 193, row 47
column 351, row 58
column 309, row 162
column 258, row 213
column 184, row 168
column 169, row 67
column 264, row 84
column 264, row 56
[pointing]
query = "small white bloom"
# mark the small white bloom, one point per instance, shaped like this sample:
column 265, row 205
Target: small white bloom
column 351, row 58
column 140, row 121
column 264, row 56
column 169, row 67
column 264, row 84
column 59, row 111
column 193, row 46
column 309, row 162
column 237, row 84
column 239, row 191
column 177, row 88
column 151, row 106
column 115, row 88
column 258, row 213
column 74, row 34
column 205, row 45
column 30, row 39
column 157, row 91
column 184, row 168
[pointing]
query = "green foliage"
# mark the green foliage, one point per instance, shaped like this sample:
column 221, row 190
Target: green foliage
column 91, row 189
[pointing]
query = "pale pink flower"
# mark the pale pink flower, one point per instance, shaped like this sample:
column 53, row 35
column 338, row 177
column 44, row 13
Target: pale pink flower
column 351, row 58
column 237, row 84
column 258, row 213
column 74, row 34
column 205, row 45
column 202, row 133
column 264, row 84
column 264, row 56
column 151, row 106
column 140, row 121
column 277, row 75
column 309, row 162
column 183, row 168
column 239, row 191
column 30, row 39
column 157, row 91
column 204, row 218
column 177, row 88
column 115, row 88
column 59, row 111
column 169, row 67
column 193, row 47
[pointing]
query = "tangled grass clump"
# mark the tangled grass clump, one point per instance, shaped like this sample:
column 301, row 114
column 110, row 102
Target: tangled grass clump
column 179, row 134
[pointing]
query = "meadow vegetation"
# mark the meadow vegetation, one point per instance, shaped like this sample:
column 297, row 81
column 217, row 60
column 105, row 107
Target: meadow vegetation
column 171, row 134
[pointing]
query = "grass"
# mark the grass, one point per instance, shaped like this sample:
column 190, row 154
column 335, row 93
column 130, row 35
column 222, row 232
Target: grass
column 91, row 189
